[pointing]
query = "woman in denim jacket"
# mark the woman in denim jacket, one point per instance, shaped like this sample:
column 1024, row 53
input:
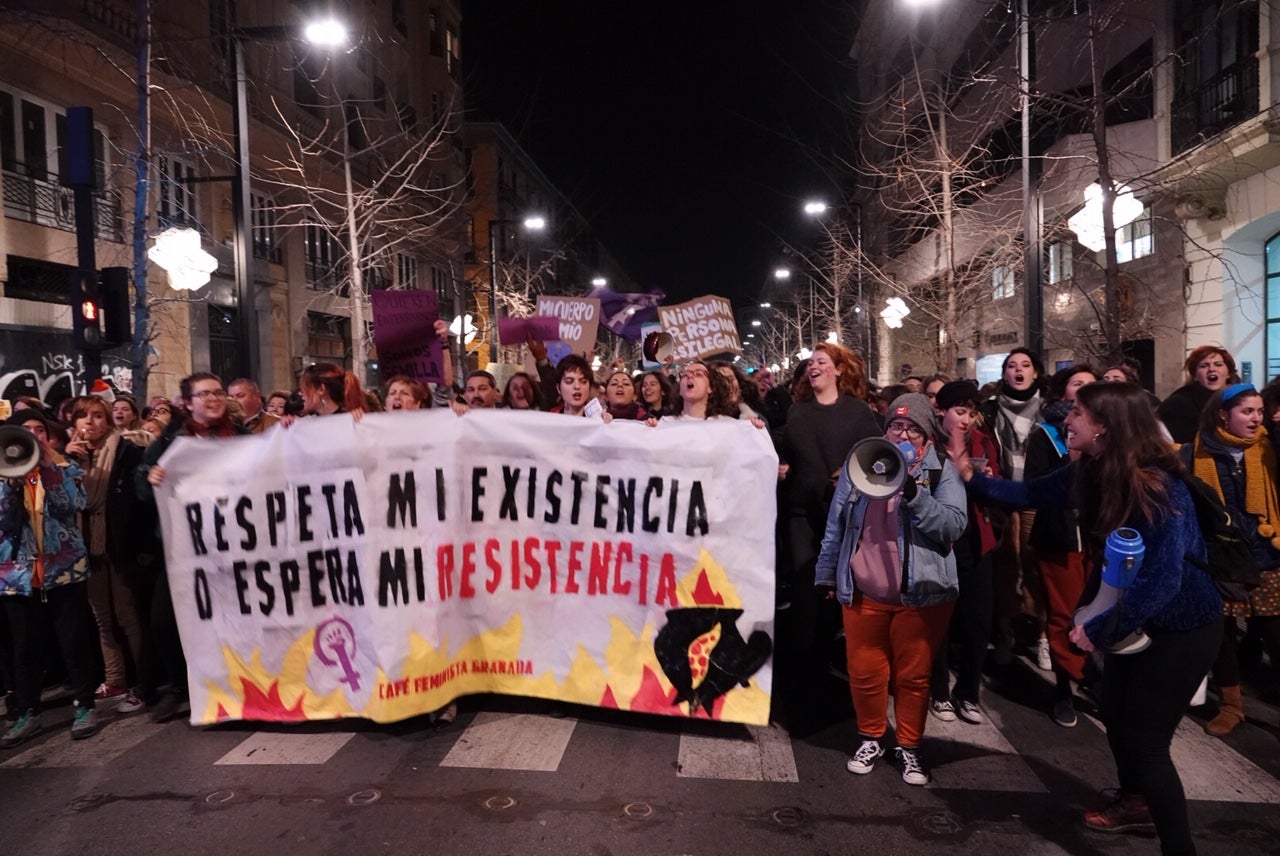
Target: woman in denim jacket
column 889, row 563
column 43, row 579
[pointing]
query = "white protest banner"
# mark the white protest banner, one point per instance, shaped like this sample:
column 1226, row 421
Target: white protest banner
column 701, row 328
column 380, row 569
column 579, row 323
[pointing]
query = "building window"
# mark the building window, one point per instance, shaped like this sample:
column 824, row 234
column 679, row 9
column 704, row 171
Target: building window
column 437, row 107
column 328, row 338
column 1002, row 282
column 266, row 244
column 440, row 279
column 435, row 43
column 1135, row 240
column 1059, row 262
column 177, row 193
column 406, row 271
column 1272, row 267
column 453, row 51
column 325, row 263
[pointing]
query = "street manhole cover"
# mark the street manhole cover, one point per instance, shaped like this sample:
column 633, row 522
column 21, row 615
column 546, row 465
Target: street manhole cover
column 637, row 810
column 368, row 797
column 499, row 803
column 788, row 816
column 220, row 797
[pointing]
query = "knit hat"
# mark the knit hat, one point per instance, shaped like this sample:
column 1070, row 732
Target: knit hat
column 30, row 414
column 916, row 408
column 955, row 393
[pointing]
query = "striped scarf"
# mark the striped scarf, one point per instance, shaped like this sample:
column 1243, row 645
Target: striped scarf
column 1014, row 422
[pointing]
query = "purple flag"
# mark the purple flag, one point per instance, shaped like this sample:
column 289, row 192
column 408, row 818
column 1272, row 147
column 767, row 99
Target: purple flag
column 623, row 313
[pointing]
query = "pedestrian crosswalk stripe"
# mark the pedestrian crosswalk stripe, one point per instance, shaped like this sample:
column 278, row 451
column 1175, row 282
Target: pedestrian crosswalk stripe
column 512, row 741
column 114, row 738
column 1212, row 770
column 964, row 756
column 763, row 755
column 279, row 747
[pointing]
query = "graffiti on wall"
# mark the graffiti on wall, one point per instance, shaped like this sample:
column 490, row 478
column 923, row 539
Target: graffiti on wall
column 43, row 364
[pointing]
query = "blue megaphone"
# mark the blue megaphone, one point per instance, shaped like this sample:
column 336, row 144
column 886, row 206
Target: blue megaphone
column 1122, row 559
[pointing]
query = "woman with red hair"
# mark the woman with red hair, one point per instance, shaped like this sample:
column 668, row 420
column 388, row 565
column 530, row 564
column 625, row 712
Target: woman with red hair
column 1209, row 369
column 327, row 389
column 829, row 415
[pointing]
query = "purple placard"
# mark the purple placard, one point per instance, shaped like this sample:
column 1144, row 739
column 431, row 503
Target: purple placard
column 515, row 331
column 404, row 333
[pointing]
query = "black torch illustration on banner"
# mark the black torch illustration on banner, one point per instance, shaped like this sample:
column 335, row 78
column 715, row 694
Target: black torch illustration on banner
column 704, row 642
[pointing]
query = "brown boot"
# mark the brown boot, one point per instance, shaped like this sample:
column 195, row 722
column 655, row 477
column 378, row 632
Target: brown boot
column 1230, row 712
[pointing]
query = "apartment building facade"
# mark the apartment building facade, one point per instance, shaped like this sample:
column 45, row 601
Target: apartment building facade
column 315, row 119
column 1188, row 107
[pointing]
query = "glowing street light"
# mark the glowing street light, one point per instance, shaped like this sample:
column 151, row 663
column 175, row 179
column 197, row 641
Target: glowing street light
column 766, row 305
column 782, row 274
column 329, row 33
column 756, row 322
column 1087, row 222
column 894, row 311
column 815, row 208
column 179, row 254
column 599, row 281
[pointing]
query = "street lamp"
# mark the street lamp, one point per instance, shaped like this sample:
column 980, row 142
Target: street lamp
column 599, row 281
column 328, row 33
column 815, row 208
column 532, row 223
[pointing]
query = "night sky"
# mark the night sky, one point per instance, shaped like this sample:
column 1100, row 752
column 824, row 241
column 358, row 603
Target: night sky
column 687, row 133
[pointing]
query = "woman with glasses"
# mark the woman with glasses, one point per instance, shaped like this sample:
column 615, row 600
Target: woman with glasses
column 206, row 401
column 704, row 393
column 889, row 562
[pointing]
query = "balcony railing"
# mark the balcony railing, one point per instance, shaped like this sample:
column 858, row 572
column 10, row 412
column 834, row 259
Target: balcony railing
column 47, row 203
column 1224, row 100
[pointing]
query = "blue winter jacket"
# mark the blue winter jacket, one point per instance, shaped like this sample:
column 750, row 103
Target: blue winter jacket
column 927, row 526
column 64, row 550
column 1168, row 593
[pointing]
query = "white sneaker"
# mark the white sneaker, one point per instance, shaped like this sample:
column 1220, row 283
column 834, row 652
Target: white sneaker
column 913, row 771
column 970, row 713
column 1043, row 663
column 864, row 760
column 942, row 710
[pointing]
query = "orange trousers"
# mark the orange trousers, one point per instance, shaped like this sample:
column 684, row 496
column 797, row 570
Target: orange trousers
column 891, row 643
column 1065, row 576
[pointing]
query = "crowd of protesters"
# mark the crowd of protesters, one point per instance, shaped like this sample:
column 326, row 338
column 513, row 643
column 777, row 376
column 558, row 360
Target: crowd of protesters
column 986, row 550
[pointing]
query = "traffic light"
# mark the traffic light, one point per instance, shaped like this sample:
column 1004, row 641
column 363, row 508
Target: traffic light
column 113, row 305
column 86, row 321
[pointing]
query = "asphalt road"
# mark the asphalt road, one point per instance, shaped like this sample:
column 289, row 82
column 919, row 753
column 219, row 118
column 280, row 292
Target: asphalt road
column 520, row 776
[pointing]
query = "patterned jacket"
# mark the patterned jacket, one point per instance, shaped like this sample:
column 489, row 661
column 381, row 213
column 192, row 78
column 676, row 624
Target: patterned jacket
column 63, row 552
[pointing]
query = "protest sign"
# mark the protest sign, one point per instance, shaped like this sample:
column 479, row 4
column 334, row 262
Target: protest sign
column 701, row 328
column 404, row 334
column 515, row 331
column 579, row 323
column 382, row 568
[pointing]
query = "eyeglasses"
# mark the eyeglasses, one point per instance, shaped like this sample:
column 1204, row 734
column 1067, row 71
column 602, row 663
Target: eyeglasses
column 905, row 429
column 694, row 373
column 209, row 393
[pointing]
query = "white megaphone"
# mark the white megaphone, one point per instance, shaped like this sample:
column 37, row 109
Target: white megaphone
column 1122, row 559
column 878, row 467
column 19, row 451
